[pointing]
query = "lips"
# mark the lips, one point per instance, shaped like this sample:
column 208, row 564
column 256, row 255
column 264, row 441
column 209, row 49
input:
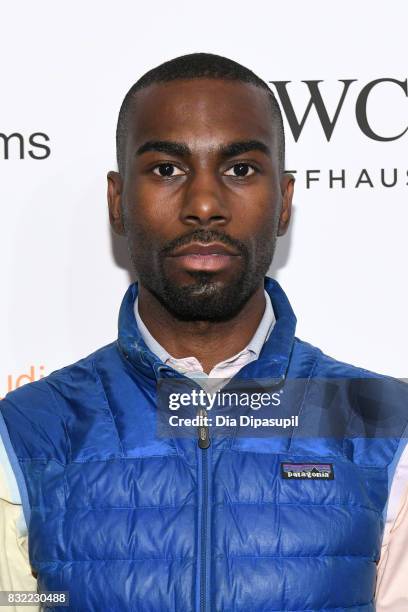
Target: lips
column 197, row 248
column 212, row 257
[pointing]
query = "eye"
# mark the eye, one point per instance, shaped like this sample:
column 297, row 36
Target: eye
column 167, row 170
column 240, row 170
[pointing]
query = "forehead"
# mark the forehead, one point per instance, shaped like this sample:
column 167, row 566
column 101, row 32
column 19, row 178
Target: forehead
column 200, row 111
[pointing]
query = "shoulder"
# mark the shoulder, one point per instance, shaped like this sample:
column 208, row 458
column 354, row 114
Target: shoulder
column 42, row 394
column 39, row 413
column 326, row 365
column 366, row 408
column 372, row 397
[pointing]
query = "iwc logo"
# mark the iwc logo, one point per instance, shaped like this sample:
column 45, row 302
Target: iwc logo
column 328, row 125
column 367, row 122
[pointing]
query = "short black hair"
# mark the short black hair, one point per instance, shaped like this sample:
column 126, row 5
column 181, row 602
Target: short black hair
column 195, row 66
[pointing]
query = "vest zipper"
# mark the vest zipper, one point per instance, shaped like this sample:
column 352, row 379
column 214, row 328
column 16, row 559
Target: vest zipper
column 204, row 443
column 203, row 432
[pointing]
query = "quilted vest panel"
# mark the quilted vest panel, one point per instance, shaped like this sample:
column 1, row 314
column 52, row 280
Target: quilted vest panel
column 124, row 520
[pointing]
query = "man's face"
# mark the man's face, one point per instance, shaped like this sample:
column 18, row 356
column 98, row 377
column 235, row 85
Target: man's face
column 201, row 200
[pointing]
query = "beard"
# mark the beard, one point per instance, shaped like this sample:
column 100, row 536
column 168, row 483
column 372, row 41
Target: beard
column 206, row 298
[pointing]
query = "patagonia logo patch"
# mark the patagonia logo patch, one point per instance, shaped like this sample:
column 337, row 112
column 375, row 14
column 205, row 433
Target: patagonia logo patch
column 307, row 471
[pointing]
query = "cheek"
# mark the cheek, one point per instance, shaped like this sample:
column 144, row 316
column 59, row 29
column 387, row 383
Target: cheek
column 260, row 216
column 139, row 222
column 259, row 224
column 149, row 210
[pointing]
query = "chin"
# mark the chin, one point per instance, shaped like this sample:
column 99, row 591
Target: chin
column 206, row 300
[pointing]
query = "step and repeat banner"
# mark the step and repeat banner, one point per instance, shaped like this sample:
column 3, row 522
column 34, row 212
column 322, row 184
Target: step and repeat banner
column 340, row 76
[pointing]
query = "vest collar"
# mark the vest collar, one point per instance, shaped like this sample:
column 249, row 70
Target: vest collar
column 273, row 359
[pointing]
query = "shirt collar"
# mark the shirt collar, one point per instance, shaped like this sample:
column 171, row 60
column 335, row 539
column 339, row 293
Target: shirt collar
column 274, row 357
column 251, row 351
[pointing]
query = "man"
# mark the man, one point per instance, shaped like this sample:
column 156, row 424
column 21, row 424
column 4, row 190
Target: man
column 125, row 519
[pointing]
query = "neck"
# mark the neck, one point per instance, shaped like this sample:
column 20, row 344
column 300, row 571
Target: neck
column 209, row 342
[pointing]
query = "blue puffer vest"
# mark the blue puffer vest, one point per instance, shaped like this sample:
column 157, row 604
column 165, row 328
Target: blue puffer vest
column 127, row 521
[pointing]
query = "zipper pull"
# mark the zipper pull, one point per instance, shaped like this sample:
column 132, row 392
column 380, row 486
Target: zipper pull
column 203, row 430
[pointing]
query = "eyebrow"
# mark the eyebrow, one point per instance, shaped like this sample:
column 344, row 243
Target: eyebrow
column 244, row 146
column 180, row 149
column 164, row 146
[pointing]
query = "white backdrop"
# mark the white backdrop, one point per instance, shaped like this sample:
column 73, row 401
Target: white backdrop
column 66, row 67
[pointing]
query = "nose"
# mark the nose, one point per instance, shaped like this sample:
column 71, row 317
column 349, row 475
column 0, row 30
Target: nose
column 204, row 203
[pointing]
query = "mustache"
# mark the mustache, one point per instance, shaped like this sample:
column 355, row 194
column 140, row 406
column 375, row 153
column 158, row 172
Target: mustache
column 204, row 236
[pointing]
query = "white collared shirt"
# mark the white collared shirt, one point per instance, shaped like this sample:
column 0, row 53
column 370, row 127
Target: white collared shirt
column 222, row 372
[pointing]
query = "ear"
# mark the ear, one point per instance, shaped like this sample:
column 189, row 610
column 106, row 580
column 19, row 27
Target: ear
column 115, row 202
column 287, row 186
